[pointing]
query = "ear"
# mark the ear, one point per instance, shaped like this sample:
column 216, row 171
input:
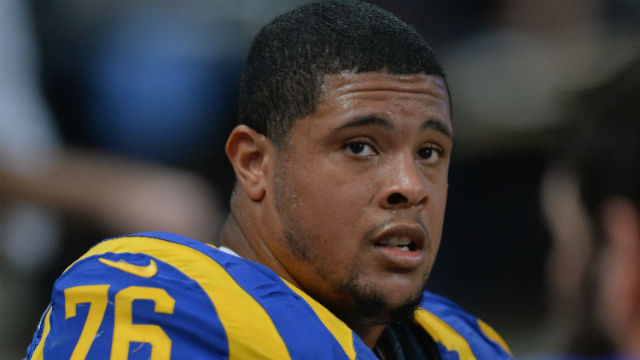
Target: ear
column 621, row 228
column 250, row 154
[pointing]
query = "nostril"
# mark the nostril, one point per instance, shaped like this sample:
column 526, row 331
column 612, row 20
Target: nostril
column 396, row 198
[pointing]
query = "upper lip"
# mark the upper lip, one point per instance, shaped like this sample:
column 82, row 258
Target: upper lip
column 415, row 232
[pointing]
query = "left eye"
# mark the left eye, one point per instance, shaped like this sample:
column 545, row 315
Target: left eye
column 361, row 149
column 429, row 153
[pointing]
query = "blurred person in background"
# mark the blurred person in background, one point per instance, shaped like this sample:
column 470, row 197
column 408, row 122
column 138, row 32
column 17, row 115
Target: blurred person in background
column 592, row 198
column 44, row 182
column 29, row 234
column 571, row 287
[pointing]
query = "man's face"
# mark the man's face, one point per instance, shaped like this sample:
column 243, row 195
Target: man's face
column 360, row 189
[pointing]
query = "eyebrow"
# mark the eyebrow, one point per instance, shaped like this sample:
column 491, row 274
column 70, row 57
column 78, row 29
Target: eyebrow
column 367, row 121
column 438, row 126
column 430, row 124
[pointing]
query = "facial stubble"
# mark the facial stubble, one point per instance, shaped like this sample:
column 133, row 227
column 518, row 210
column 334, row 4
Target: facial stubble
column 356, row 300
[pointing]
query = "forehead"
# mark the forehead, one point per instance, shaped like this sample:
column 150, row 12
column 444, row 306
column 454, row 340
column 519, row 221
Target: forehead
column 351, row 82
column 349, row 88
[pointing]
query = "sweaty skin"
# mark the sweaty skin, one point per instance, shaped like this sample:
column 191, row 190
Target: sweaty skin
column 350, row 207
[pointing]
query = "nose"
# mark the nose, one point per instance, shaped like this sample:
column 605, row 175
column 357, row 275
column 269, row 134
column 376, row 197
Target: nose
column 407, row 186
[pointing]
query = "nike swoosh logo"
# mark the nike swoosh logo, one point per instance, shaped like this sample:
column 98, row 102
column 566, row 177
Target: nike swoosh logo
column 147, row 271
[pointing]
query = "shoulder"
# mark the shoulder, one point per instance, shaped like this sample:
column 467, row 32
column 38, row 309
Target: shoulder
column 151, row 293
column 458, row 332
column 144, row 289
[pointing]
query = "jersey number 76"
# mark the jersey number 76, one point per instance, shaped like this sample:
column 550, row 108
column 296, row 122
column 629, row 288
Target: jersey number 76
column 124, row 330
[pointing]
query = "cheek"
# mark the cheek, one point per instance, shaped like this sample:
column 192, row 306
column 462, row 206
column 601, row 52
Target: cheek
column 338, row 209
column 327, row 205
column 434, row 215
column 436, row 207
column 334, row 192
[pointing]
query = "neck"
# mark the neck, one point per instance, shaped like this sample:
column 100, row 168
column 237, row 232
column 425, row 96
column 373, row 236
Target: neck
column 369, row 334
column 247, row 243
column 233, row 238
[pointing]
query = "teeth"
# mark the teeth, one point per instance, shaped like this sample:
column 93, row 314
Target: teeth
column 400, row 242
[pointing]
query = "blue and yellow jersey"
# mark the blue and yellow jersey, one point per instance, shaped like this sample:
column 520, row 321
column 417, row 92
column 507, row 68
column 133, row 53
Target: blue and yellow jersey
column 163, row 296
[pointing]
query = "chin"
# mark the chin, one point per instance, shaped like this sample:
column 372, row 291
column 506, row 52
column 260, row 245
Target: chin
column 371, row 307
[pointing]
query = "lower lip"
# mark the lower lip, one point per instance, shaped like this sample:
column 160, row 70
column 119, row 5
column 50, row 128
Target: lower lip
column 401, row 259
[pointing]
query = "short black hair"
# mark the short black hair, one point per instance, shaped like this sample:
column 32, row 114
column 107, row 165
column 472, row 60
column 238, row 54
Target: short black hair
column 290, row 57
column 607, row 146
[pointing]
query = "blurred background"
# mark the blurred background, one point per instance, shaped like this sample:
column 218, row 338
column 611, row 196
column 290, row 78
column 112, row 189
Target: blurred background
column 114, row 115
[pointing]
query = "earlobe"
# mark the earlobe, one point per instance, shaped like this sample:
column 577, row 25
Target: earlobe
column 250, row 153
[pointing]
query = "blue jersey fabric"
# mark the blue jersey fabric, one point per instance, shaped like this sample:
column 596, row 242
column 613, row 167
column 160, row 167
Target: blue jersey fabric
column 164, row 296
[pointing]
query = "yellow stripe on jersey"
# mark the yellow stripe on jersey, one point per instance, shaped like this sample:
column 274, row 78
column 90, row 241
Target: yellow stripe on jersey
column 38, row 352
column 441, row 332
column 493, row 335
column 339, row 329
column 235, row 309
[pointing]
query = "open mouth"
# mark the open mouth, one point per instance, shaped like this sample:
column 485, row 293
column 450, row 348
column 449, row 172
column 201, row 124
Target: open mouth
column 402, row 246
column 402, row 243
